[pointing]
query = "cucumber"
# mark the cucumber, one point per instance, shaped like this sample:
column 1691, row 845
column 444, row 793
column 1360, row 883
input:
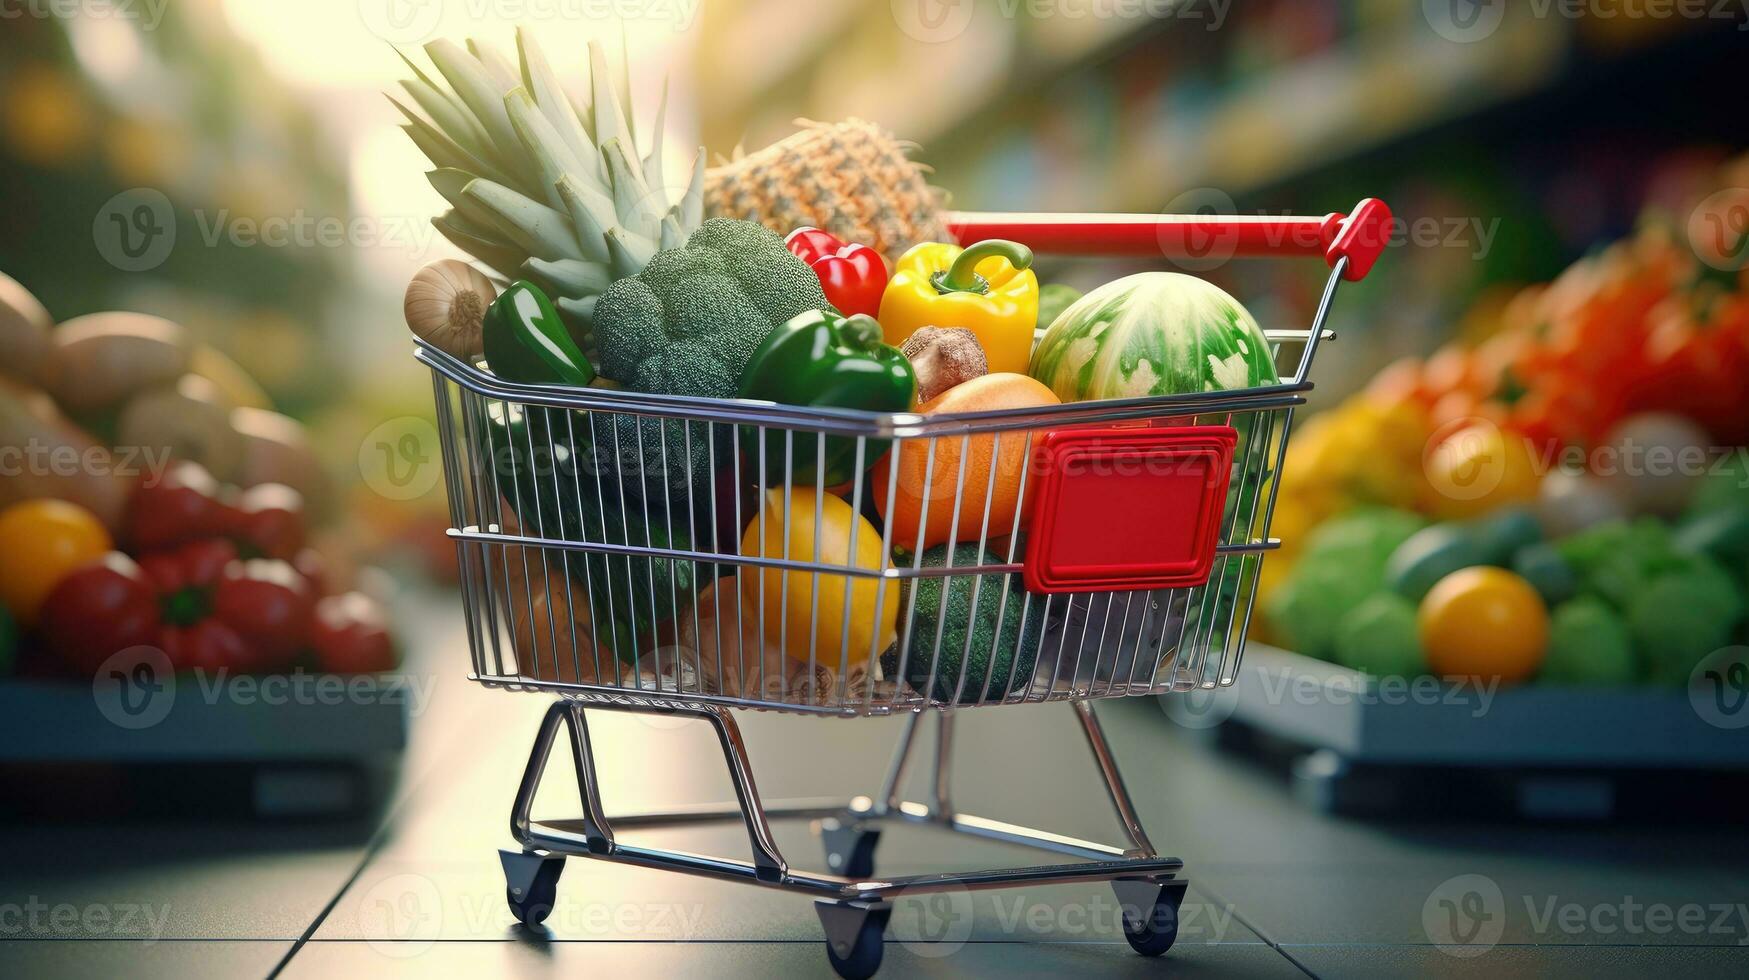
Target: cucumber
column 1543, row 567
column 1429, row 555
column 1504, row 533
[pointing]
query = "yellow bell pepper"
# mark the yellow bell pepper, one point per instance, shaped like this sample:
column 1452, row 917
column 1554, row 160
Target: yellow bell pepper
column 988, row 288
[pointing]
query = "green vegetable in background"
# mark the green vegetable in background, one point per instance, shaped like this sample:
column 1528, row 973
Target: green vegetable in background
column 1588, row 645
column 687, row 325
column 819, row 358
column 526, row 341
column 1343, row 564
column 1722, row 535
column 1543, row 567
column 1380, row 637
column 1504, row 533
column 984, row 640
column 1428, row 556
column 1681, row 616
column 1053, row 299
column 1725, row 487
column 1617, row 560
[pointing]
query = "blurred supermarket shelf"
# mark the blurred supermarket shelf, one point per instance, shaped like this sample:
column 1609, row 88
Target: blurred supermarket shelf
column 1360, row 745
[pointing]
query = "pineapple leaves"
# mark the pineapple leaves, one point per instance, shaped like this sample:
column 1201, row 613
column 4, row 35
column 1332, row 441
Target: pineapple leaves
column 531, row 225
column 544, row 181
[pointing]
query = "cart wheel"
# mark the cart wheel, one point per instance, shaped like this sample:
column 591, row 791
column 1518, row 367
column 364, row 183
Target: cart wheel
column 531, row 883
column 855, row 955
column 1150, row 924
column 849, row 848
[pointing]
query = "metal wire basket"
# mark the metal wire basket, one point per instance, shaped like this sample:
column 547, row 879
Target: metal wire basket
column 624, row 547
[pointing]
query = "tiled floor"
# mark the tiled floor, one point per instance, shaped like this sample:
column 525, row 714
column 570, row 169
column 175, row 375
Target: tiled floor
column 1276, row 890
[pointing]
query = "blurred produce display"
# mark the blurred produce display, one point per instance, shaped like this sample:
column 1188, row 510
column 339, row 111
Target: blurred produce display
column 1561, row 494
column 153, row 498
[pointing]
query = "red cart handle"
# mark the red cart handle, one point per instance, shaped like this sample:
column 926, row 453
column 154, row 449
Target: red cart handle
column 1358, row 237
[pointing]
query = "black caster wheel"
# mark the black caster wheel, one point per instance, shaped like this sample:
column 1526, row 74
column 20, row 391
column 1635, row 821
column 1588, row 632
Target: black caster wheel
column 854, row 947
column 531, row 883
column 849, row 848
column 1150, row 914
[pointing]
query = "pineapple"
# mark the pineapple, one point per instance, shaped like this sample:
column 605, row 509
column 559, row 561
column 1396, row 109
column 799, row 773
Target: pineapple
column 539, row 186
column 850, row 178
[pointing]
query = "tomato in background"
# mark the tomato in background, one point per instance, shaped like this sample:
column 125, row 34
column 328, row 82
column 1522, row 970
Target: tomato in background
column 100, row 609
column 350, row 635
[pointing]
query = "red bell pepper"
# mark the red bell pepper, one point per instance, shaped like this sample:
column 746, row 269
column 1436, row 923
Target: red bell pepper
column 268, row 520
column 219, row 611
column 853, row 276
column 350, row 635
column 98, row 610
column 180, row 505
column 186, row 504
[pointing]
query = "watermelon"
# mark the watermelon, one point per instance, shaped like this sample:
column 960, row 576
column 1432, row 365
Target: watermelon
column 1153, row 333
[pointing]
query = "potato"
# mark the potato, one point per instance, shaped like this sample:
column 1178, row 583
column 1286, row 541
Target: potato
column 190, row 420
column 24, row 332
column 102, row 359
column 276, row 450
column 239, row 389
column 44, row 455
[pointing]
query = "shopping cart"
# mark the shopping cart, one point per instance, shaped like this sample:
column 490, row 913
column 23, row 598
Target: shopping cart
column 634, row 552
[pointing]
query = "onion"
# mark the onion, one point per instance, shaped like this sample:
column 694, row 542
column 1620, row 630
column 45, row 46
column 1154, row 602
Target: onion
column 446, row 304
column 1570, row 501
column 1653, row 461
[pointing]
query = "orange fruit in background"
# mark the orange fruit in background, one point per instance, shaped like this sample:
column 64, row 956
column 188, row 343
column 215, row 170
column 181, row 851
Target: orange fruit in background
column 40, row 542
column 1478, row 467
column 1484, row 623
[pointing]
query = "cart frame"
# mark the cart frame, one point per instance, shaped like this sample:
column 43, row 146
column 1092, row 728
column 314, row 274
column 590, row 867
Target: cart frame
column 853, row 902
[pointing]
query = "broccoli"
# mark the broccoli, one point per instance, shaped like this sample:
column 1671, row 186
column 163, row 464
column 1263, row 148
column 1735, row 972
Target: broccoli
column 996, row 647
column 686, row 325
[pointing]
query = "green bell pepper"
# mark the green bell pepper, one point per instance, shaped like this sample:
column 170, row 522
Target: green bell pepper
column 526, row 341
column 822, row 359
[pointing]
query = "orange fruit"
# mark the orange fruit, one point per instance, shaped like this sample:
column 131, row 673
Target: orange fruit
column 1478, row 468
column 40, row 542
column 1484, row 623
column 919, row 482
